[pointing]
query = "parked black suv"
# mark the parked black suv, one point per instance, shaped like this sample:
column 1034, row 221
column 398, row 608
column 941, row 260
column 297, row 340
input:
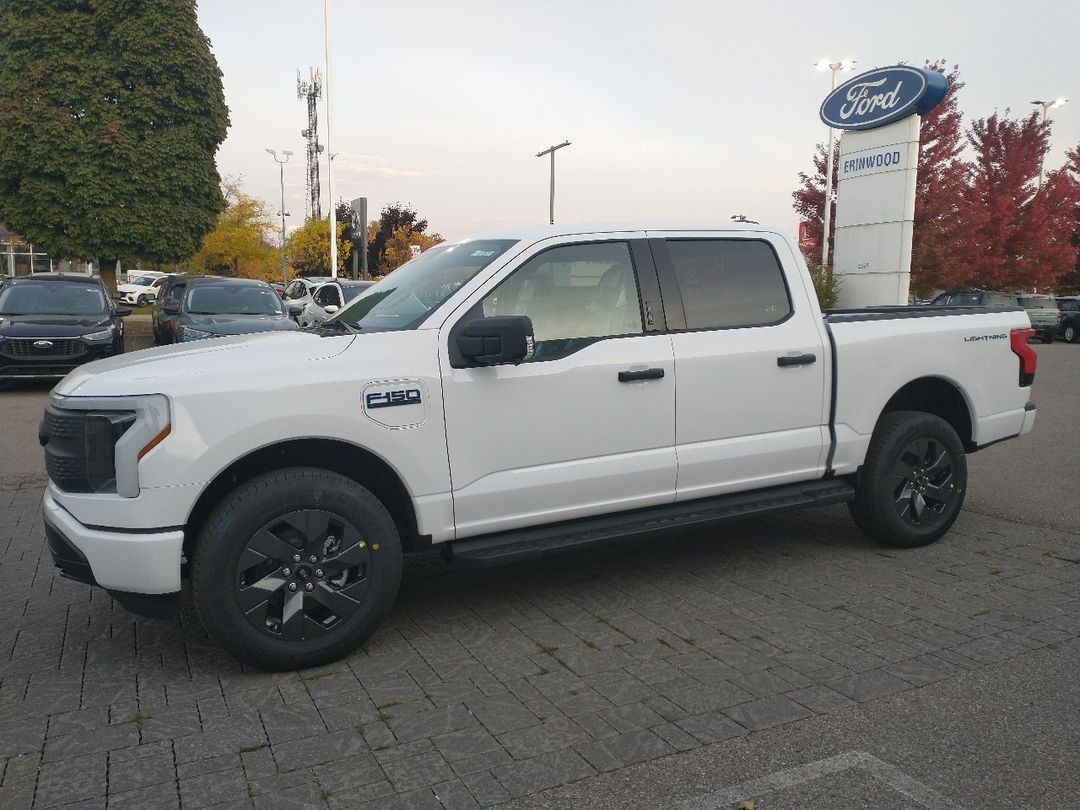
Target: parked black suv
column 50, row 323
column 1070, row 318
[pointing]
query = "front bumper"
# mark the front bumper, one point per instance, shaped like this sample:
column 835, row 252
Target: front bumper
column 139, row 562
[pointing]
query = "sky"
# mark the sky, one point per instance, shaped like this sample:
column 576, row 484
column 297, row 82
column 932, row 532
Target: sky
column 677, row 110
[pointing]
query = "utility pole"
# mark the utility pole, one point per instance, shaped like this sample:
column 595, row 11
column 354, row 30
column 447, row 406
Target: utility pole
column 551, row 151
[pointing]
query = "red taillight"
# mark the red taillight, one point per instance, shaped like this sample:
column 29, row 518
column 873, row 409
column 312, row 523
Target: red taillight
column 1028, row 359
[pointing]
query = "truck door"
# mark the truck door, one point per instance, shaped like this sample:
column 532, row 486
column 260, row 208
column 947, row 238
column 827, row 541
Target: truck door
column 584, row 426
column 750, row 364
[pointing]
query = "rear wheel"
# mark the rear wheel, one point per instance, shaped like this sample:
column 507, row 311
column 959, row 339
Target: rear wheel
column 1069, row 333
column 912, row 485
column 296, row 568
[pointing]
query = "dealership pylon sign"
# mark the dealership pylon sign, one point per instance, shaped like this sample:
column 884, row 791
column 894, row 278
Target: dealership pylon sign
column 875, row 194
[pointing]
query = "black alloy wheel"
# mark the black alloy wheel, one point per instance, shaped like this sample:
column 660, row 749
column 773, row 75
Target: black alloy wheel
column 302, row 574
column 912, row 484
column 923, row 482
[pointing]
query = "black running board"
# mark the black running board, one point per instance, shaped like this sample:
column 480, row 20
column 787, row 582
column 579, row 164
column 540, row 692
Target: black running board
column 529, row 544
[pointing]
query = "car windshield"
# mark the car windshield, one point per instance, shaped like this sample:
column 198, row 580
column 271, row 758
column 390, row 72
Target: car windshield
column 228, row 299
column 144, row 281
column 53, row 298
column 405, row 297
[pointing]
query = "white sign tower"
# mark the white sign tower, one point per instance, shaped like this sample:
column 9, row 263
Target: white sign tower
column 875, row 193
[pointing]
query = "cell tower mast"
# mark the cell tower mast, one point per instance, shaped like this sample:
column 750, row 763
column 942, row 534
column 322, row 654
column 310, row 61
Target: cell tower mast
column 312, row 91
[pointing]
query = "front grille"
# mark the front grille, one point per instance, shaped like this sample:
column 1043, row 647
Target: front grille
column 65, row 448
column 66, row 348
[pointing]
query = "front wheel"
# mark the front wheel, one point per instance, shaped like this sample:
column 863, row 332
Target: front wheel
column 142, row 301
column 296, row 568
column 1069, row 333
column 910, row 489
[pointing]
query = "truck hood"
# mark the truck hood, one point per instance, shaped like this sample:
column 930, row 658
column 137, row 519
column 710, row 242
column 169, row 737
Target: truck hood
column 229, row 361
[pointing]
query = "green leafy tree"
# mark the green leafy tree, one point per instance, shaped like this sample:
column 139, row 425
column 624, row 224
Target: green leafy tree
column 308, row 248
column 111, row 112
column 240, row 244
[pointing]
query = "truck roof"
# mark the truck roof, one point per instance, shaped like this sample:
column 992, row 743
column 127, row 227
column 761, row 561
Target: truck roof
column 537, row 232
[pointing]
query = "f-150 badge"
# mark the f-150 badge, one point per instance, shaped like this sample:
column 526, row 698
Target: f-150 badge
column 396, row 403
column 388, row 399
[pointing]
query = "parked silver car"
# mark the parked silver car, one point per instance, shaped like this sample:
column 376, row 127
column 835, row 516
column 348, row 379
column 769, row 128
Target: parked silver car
column 328, row 298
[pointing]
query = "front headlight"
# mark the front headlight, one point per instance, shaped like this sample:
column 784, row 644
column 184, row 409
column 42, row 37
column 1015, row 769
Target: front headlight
column 191, row 333
column 102, row 336
column 94, row 444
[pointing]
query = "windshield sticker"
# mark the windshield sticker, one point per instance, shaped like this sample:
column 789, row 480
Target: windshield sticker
column 482, row 253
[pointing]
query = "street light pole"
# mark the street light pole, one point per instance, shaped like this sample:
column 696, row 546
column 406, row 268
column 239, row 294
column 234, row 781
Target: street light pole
column 1048, row 105
column 834, row 67
column 551, row 151
column 329, row 130
column 281, row 171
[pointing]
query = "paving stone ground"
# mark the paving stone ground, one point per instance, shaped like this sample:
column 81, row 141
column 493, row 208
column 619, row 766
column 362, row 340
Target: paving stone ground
column 484, row 687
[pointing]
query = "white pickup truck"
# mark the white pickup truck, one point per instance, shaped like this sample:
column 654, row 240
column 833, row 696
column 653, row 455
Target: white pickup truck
column 507, row 396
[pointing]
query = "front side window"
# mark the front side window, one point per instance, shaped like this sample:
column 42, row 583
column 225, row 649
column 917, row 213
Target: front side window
column 728, row 283
column 573, row 295
column 327, row 295
column 295, row 291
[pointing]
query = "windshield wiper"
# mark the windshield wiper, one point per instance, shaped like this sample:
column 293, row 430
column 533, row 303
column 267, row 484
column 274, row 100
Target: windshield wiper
column 336, row 326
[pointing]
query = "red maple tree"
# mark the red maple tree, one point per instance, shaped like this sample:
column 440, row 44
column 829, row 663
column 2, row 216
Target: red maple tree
column 939, row 191
column 1017, row 235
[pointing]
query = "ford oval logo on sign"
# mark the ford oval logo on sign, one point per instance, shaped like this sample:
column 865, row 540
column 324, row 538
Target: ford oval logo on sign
column 883, row 96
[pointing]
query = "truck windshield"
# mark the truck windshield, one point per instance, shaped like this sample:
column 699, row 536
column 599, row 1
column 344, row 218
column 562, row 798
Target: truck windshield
column 404, row 298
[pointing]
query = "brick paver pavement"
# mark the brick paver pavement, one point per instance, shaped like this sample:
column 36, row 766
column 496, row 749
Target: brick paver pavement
column 486, row 686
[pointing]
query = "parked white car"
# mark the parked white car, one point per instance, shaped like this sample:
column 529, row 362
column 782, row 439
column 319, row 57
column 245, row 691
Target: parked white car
column 509, row 396
column 142, row 291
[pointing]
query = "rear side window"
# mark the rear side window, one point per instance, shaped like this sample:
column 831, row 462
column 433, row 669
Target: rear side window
column 729, row 282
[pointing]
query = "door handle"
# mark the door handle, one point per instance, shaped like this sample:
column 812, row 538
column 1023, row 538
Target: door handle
column 646, row 374
column 796, row 360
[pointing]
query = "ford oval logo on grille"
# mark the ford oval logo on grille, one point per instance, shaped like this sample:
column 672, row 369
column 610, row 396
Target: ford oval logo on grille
column 43, row 344
column 882, row 96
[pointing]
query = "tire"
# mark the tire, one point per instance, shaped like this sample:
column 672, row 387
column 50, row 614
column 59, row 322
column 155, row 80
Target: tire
column 141, row 301
column 911, row 487
column 1069, row 333
column 258, row 544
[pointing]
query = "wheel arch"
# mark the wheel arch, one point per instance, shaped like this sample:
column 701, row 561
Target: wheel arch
column 940, row 397
column 357, row 463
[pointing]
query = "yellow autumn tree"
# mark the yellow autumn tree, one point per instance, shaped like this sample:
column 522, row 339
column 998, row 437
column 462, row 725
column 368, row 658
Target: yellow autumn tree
column 308, row 248
column 403, row 244
column 240, row 243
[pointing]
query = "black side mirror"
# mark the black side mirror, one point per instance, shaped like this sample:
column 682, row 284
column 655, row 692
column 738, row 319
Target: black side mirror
column 172, row 309
column 502, row 339
column 122, row 312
